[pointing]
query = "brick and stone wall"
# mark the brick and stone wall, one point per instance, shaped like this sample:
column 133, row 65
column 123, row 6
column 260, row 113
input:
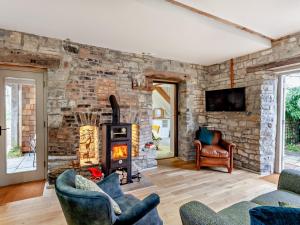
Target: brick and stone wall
column 80, row 79
column 254, row 131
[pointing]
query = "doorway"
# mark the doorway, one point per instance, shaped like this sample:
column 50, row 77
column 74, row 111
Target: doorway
column 288, row 155
column 164, row 119
column 22, row 127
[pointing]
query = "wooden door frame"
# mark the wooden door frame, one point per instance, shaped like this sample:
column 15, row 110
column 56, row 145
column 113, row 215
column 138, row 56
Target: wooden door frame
column 176, row 97
column 43, row 72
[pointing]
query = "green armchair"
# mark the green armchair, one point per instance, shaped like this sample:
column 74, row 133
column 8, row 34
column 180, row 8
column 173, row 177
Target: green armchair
column 93, row 208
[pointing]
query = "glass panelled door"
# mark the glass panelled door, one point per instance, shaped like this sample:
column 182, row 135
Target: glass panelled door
column 22, row 145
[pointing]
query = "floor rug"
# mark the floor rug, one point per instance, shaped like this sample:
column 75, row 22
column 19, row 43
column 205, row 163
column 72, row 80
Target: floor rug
column 23, row 191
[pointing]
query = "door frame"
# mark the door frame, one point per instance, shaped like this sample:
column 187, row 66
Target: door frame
column 176, row 113
column 282, row 73
column 280, row 134
column 43, row 73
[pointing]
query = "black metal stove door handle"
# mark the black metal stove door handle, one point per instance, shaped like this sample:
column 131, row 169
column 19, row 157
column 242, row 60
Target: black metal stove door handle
column 2, row 130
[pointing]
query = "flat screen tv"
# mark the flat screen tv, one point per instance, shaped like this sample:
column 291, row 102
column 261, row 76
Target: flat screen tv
column 228, row 100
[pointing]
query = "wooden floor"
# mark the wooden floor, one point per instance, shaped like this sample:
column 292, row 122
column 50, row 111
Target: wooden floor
column 175, row 181
column 23, row 191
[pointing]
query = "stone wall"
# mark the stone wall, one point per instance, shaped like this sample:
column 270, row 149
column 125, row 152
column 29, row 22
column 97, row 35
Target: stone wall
column 80, row 79
column 253, row 131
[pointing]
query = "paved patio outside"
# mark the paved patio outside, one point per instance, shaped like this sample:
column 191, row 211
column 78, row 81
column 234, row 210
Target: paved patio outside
column 21, row 164
column 292, row 160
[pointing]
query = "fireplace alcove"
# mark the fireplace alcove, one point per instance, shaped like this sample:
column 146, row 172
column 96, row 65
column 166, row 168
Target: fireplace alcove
column 89, row 145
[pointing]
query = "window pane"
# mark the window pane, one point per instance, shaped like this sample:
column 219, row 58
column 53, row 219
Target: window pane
column 20, row 114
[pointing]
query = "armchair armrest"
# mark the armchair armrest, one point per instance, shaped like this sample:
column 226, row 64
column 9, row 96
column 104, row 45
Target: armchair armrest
column 227, row 145
column 138, row 211
column 196, row 213
column 198, row 145
column 290, row 180
column 111, row 185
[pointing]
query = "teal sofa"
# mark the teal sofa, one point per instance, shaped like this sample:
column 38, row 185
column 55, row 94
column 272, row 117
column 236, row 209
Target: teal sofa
column 196, row 213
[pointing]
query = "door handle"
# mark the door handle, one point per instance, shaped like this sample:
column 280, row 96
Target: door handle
column 1, row 129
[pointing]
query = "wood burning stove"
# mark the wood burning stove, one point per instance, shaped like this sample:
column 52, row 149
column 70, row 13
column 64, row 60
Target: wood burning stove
column 116, row 148
column 116, row 144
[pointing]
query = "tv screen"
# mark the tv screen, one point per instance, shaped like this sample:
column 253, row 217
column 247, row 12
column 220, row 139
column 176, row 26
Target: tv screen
column 226, row 100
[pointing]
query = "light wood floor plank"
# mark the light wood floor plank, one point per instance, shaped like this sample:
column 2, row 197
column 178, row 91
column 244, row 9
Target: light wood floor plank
column 176, row 182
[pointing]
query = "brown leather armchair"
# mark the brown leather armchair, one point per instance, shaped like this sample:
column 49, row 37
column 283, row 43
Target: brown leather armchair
column 220, row 153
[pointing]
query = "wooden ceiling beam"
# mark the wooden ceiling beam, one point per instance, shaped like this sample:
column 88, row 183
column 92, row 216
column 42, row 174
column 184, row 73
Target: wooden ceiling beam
column 218, row 19
column 273, row 65
column 163, row 94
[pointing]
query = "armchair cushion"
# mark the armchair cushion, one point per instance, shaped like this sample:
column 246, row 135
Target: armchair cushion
column 214, row 151
column 206, row 136
column 88, row 185
column 217, row 137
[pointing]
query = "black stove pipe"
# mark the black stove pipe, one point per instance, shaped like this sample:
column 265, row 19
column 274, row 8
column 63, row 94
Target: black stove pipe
column 115, row 108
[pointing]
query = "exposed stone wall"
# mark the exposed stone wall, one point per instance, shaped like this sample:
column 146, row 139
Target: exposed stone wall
column 253, row 131
column 81, row 83
column 81, row 77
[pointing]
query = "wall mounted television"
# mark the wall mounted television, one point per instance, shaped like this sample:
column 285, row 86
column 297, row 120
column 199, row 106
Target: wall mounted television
column 226, row 100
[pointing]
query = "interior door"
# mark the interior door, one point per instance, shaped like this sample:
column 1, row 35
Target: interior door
column 164, row 120
column 22, row 145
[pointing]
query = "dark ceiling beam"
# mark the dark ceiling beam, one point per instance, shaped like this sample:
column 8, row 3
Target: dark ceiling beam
column 218, row 19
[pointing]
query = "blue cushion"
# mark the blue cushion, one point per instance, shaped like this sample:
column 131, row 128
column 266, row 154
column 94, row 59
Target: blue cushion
column 270, row 215
column 206, row 136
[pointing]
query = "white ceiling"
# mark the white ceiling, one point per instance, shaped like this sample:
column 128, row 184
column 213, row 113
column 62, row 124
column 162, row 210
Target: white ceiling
column 274, row 18
column 156, row 27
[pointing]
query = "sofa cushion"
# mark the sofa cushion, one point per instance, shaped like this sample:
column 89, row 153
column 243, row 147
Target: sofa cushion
column 238, row 213
column 270, row 215
column 272, row 198
column 214, row 151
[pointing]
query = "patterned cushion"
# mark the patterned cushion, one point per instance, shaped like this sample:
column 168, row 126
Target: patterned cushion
column 87, row 185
